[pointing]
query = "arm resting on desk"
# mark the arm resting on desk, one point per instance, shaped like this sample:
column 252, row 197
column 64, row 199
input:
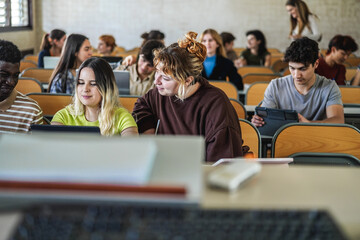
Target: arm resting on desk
column 334, row 114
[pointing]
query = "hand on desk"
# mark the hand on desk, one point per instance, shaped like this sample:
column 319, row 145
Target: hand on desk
column 302, row 118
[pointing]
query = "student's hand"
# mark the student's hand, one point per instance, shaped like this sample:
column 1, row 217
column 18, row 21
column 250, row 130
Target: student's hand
column 302, row 118
column 257, row 121
column 129, row 60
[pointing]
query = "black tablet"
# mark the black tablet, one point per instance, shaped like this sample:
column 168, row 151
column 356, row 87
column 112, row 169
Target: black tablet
column 274, row 119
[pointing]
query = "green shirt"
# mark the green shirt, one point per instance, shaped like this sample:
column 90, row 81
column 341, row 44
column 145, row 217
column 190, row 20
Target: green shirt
column 123, row 119
column 254, row 60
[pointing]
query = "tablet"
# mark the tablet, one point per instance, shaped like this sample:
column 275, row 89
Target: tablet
column 274, row 119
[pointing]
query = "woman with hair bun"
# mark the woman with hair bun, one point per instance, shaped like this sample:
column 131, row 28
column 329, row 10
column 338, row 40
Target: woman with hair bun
column 184, row 103
column 51, row 45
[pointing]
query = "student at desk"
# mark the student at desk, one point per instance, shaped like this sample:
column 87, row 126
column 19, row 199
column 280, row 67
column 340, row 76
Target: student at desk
column 186, row 104
column 96, row 102
column 314, row 97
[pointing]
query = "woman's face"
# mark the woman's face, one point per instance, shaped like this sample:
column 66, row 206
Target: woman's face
column 60, row 43
column 292, row 10
column 85, row 51
column 165, row 84
column 103, row 48
column 252, row 42
column 210, row 43
column 87, row 89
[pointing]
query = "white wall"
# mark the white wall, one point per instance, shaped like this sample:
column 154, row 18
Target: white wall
column 128, row 19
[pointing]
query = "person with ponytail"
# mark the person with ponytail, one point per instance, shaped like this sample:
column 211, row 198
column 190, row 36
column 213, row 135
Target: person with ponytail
column 51, row 45
column 184, row 103
column 96, row 102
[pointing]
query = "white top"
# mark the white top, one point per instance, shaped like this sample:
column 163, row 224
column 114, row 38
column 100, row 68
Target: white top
column 313, row 34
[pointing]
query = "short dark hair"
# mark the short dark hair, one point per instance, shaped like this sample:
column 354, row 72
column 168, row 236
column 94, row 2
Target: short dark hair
column 227, row 37
column 345, row 43
column 148, row 50
column 303, row 50
column 9, row 52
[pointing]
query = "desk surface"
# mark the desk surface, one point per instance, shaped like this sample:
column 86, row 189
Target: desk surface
column 347, row 110
column 332, row 188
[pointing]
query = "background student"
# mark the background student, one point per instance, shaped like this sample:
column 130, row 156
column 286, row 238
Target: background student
column 17, row 111
column 216, row 65
column 96, row 102
column 76, row 50
column 302, row 21
column 106, row 45
column 153, row 35
column 228, row 42
column 186, row 104
column 256, row 53
column 142, row 73
column 51, row 45
column 331, row 65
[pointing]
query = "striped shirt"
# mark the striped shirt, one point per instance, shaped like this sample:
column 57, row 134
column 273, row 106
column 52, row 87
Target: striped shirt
column 22, row 113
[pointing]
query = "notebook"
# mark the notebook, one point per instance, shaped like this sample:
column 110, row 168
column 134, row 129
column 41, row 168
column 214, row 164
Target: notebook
column 274, row 119
column 50, row 62
column 64, row 128
column 122, row 81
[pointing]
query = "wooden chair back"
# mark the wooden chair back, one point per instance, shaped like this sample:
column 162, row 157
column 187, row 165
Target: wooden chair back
column 259, row 77
column 350, row 94
column 254, row 69
column 251, row 137
column 24, row 64
column 286, row 72
column 228, row 87
column 128, row 102
column 29, row 85
column 255, row 93
column 273, row 50
column 41, row 74
column 239, row 50
column 50, row 103
column 353, row 61
column 316, row 137
column 31, row 57
column 279, row 66
column 239, row 108
column 350, row 73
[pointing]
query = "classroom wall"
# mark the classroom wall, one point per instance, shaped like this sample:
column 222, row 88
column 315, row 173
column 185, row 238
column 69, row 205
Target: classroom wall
column 127, row 20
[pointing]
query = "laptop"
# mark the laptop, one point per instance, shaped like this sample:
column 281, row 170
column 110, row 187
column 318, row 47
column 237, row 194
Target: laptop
column 63, row 128
column 122, row 81
column 274, row 119
column 50, row 62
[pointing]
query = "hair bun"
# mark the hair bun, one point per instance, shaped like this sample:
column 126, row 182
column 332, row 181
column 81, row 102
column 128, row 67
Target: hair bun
column 193, row 46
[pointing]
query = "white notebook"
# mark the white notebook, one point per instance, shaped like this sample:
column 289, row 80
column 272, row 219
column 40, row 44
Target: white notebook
column 76, row 158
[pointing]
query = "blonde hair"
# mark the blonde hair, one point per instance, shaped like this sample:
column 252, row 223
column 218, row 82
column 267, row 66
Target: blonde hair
column 107, row 87
column 220, row 50
column 182, row 60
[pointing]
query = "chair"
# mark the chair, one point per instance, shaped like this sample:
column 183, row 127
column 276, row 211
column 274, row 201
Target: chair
column 239, row 108
column 350, row 94
column 350, row 73
column 255, row 93
column 251, row 137
column 254, row 69
column 316, row 137
column 238, row 50
column 41, row 74
column 228, row 87
column 279, row 65
column 24, row 64
column 353, row 61
column 259, row 77
column 128, row 102
column 50, row 103
column 286, row 72
column 333, row 159
column 29, row 85
column 273, row 50
column 31, row 57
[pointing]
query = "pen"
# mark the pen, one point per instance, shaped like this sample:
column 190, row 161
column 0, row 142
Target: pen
column 157, row 126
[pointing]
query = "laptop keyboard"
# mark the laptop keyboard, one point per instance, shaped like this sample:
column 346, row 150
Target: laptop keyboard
column 135, row 221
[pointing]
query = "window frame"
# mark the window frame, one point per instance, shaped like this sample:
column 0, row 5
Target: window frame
column 21, row 28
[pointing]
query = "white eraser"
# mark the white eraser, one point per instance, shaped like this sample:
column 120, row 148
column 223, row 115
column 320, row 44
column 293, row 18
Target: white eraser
column 230, row 176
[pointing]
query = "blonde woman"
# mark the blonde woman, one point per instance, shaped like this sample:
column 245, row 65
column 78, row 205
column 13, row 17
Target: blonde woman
column 96, row 102
column 216, row 64
column 184, row 103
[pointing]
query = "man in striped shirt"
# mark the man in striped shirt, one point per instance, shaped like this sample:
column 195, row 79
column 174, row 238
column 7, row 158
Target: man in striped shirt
column 17, row 111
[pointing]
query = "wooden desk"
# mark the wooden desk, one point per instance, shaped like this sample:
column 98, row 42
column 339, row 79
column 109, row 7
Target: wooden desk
column 279, row 187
